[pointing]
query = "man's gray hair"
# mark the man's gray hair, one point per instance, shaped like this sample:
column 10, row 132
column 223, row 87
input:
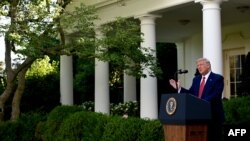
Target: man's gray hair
column 205, row 60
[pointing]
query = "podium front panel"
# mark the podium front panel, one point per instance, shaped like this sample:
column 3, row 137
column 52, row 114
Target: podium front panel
column 183, row 108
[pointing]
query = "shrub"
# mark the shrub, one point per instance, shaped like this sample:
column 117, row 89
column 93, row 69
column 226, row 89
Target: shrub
column 130, row 108
column 237, row 110
column 41, row 90
column 50, row 128
column 122, row 129
column 88, row 105
column 152, row 130
column 8, row 131
column 87, row 126
column 21, row 130
column 28, row 124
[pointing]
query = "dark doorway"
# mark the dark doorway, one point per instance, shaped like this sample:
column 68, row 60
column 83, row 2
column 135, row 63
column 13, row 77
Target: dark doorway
column 167, row 57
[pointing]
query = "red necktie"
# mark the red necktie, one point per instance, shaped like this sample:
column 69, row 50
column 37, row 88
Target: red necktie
column 202, row 86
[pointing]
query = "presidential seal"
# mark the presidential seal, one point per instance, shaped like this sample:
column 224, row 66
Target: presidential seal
column 171, row 106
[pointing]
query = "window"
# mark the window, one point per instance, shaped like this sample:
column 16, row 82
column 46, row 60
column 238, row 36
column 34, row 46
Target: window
column 236, row 63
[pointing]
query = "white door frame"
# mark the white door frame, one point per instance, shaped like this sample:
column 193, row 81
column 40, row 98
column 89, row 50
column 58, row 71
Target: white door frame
column 226, row 54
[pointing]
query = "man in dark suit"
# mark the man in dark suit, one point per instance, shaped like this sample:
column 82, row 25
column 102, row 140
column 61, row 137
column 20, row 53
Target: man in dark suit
column 210, row 90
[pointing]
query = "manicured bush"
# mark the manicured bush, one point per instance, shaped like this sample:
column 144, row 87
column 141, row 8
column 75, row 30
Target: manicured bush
column 87, row 126
column 8, row 131
column 121, row 129
column 28, row 123
column 152, row 130
column 21, row 130
column 237, row 110
column 69, row 123
column 50, row 128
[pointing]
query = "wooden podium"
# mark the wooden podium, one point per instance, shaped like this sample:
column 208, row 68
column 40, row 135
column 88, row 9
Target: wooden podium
column 184, row 117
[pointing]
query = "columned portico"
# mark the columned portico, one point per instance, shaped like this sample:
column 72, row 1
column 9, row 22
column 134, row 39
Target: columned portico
column 66, row 80
column 148, row 88
column 102, row 102
column 212, row 43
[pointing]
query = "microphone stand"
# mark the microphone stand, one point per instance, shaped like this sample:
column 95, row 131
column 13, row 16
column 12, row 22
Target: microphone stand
column 176, row 79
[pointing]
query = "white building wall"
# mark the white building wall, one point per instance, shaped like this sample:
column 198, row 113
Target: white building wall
column 236, row 40
column 235, row 37
column 192, row 51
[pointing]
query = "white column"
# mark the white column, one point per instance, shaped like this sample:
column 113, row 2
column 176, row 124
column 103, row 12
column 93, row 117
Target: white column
column 148, row 95
column 212, row 43
column 181, row 61
column 129, row 86
column 66, row 80
column 102, row 102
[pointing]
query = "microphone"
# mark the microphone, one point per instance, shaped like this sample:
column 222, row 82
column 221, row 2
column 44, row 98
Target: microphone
column 180, row 71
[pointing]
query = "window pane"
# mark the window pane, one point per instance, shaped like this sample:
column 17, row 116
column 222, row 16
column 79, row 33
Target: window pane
column 243, row 60
column 238, row 74
column 231, row 61
column 232, row 89
column 232, row 75
column 238, row 61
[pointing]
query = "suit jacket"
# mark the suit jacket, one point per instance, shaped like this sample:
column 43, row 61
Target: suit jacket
column 212, row 93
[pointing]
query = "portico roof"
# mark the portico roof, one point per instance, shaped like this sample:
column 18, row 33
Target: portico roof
column 178, row 21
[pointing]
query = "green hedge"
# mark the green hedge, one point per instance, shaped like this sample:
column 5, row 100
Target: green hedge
column 87, row 126
column 120, row 129
column 237, row 110
column 49, row 128
column 21, row 130
column 74, row 123
column 90, row 126
column 152, row 131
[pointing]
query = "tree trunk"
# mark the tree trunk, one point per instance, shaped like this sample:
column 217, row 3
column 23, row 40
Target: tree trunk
column 11, row 75
column 10, row 88
column 5, row 96
column 18, row 94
